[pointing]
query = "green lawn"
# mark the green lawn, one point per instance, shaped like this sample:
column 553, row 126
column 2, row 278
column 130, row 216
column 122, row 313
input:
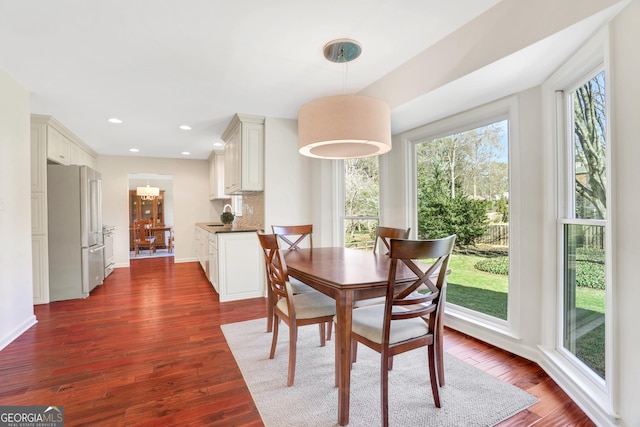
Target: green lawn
column 475, row 289
column 465, row 281
column 487, row 293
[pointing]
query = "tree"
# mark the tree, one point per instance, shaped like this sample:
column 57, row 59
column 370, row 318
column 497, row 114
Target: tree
column 458, row 177
column 440, row 214
column 502, row 207
column 590, row 148
column 361, row 196
column 470, row 160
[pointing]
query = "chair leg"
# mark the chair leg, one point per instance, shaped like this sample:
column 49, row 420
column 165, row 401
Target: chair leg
column 384, row 389
column 329, row 329
column 323, row 340
column 354, row 351
column 440, row 360
column 274, row 340
column 434, row 376
column 269, row 309
column 293, row 340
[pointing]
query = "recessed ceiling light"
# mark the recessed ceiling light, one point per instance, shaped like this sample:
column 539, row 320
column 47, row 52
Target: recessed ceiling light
column 133, row 150
column 185, row 127
column 217, row 144
column 114, row 120
column 186, row 153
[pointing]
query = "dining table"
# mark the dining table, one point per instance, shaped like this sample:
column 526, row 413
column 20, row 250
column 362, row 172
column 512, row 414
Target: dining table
column 346, row 275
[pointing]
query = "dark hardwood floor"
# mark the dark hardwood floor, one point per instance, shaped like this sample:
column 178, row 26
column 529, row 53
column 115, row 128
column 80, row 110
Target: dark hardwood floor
column 146, row 349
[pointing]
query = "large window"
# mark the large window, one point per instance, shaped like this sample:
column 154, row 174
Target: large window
column 462, row 182
column 361, row 202
column 582, row 221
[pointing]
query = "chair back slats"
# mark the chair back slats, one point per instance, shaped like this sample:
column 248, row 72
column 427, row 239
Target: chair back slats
column 276, row 268
column 385, row 234
column 415, row 304
column 141, row 231
column 293, row 235
column 424, row 277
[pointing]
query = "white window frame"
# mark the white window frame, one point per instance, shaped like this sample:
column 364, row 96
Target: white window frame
column 340, row 195
column 580, row 382
column 505, row 109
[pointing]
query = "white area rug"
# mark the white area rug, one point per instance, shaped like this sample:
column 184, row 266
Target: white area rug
column 470, row 397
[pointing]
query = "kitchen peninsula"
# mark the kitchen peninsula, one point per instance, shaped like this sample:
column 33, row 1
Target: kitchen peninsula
column 231, row 259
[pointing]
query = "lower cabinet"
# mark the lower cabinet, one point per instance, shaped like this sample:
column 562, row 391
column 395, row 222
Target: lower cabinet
column 213, row 262
column 234, row 264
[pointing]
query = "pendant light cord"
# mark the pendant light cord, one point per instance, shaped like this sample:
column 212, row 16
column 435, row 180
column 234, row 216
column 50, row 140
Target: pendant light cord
column 346, row 72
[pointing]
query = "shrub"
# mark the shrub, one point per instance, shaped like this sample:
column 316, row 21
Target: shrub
column 590, row 272
column 498, row 265
column 590, row 275
column 590, row 254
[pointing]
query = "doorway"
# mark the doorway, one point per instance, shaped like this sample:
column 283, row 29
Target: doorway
column 156, row 212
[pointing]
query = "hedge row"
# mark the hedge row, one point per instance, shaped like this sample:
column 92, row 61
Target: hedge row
column 589, row 268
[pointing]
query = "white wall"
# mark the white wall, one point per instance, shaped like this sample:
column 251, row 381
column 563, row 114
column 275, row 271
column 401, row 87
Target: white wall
column 288, row 190
column 625, row 177
column 16, row 283
column 190, row 199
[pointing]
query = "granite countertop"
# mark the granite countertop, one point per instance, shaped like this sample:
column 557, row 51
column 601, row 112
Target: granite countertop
column 218, row 227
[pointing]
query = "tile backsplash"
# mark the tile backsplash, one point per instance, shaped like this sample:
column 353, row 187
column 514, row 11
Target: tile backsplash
column 252, row 211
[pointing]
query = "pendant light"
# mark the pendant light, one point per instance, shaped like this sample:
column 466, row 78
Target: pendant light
column 344, row 126
column 147, row 193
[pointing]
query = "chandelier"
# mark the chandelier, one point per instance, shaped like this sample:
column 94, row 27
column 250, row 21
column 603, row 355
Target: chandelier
column 147, row 193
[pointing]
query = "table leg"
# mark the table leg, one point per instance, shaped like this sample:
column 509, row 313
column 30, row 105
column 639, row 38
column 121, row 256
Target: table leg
column 344, row 311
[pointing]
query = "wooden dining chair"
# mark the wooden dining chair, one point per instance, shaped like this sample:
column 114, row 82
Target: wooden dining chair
column 295, row 310
column 290, row 237
column 142, row 237
column 293, row 236
column 408, row 319
column 170, row 241
column 384, row 234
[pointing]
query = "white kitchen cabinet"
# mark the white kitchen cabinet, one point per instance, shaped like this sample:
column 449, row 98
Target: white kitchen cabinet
column 58, row 147
column 240, row 266
column 244, row 155
column 50, row 141
column 62, row 146
column 202, row 240
column 234, row 263
column 79, row 156
column 216, row 177
column 213, row 261
column 40, row 266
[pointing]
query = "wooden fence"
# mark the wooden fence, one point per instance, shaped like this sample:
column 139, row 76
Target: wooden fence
column 497, row 235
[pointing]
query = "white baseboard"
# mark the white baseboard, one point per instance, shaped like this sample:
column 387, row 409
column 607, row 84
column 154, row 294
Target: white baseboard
column 17, row 331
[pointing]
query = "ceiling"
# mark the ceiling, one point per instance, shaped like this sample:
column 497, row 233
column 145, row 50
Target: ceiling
column 160, row 64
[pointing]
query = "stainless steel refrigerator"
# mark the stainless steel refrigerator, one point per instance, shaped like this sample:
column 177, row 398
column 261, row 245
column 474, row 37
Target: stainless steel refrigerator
column 74, row 206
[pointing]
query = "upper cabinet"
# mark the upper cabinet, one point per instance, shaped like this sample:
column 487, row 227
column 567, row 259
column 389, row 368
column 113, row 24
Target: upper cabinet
column 244, row 155
column 62, row 146
column 216, row 177
column 58, row 147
